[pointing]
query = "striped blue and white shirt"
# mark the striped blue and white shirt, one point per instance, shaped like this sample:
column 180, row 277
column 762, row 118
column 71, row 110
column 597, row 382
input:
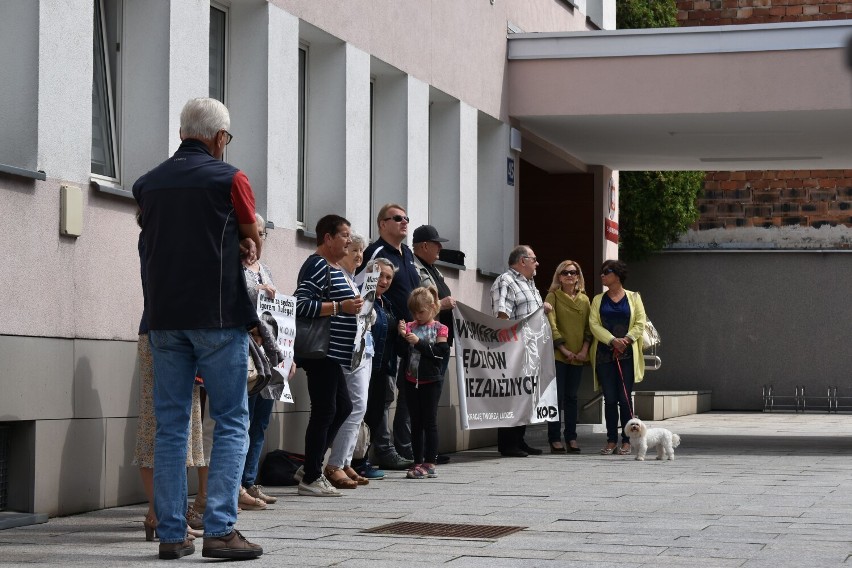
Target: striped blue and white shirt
column 311, row 293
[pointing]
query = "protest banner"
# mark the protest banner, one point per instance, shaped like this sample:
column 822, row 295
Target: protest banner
column 505, row 368
column 280, row 314
column 368, row 292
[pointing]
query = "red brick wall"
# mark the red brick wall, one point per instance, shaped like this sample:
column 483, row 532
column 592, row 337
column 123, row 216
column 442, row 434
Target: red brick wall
column 773, row 197
column 730, row 12
column 776, row 198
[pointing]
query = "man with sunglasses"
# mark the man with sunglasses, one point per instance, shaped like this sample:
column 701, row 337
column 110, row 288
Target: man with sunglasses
column 194, row 211
column 392, row 222
column 514, row 296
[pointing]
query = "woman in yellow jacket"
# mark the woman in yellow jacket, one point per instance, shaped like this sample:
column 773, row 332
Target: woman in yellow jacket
column 617, row 320
column 569, row 323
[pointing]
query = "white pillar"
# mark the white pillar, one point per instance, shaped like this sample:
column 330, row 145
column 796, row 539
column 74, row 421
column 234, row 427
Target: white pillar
column 357, row 134
column 418, row 157
column 282, row 106
column 467, row 218
column 64, row 65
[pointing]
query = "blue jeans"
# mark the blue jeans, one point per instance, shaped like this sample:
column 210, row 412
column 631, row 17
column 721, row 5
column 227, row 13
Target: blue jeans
column 567, row 384
column 614, row 399
column 219, row 356
column 260, row 411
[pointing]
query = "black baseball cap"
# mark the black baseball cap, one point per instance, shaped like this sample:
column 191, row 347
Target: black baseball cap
column 427, row 234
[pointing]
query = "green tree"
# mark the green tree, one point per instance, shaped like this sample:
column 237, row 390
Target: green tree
column 640, row 14
column 656, row 207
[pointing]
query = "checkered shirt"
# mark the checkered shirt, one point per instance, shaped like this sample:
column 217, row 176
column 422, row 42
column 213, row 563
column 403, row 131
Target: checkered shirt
column 514, row 295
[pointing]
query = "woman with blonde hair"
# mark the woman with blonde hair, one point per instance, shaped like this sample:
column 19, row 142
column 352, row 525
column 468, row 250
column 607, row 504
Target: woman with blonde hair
column 569, row 323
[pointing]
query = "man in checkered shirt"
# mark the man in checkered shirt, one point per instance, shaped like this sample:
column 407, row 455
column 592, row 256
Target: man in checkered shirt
column 514, row 296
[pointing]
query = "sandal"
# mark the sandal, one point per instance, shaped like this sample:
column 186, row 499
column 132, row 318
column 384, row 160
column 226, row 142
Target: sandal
column 609, row 449
column 353, row 475
column 338, row 478
column 624, row 450
column 248, row 503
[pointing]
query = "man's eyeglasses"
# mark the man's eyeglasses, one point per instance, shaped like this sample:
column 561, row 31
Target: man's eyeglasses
column 532, row 258
column 228, row 136
column 396, row 218
column 263, row 235
column 606, row 271
column 569, row 273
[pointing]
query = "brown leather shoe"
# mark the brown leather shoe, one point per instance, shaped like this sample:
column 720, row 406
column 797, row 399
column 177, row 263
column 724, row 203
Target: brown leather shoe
column 175, row 550
column 338, row 478
column 233, row 545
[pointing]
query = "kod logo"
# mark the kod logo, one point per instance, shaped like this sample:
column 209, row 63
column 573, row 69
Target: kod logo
column 546, row 412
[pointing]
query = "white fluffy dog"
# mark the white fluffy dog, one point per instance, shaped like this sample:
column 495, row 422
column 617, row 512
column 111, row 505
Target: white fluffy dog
column 642, row 438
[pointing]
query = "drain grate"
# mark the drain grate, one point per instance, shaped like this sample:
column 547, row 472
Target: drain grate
column 445, row 530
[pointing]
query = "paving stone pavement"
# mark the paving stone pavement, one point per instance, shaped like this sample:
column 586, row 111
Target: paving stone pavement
column 746, row 490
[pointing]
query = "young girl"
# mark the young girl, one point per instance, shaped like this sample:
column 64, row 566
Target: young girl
column 422, row 344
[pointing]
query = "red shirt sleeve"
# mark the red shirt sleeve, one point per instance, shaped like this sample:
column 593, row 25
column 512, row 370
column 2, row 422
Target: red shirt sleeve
column 443, row 331
column 243, row 198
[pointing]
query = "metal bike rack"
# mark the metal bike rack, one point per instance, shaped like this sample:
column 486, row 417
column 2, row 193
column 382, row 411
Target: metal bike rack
column 800, row 401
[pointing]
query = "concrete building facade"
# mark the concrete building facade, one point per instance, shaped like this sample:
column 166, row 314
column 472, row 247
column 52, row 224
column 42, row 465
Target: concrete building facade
column 445, row 107
column 335, row 107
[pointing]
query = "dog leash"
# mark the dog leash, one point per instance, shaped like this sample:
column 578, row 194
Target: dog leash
column 623, row 385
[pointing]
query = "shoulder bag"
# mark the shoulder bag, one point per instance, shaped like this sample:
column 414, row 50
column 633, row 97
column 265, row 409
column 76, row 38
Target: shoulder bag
column 312, row 334
column 650, row 335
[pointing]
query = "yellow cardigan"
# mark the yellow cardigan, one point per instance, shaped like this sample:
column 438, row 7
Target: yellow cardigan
column 569, row 322
column 637, row 326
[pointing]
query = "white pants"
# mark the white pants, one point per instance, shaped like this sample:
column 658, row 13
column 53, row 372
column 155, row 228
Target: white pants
column 358, row 383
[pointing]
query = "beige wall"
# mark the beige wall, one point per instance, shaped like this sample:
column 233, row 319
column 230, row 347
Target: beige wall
column 704, row 83
column 456, row 46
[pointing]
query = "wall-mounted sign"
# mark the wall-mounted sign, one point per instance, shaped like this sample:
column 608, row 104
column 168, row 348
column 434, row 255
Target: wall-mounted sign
column 510, row 171
column 611, row 220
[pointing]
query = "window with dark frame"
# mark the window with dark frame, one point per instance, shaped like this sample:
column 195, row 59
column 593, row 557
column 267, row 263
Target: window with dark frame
column 104, row 139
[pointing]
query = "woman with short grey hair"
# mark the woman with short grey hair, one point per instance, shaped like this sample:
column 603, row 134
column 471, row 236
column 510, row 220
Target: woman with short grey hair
column 384, row 363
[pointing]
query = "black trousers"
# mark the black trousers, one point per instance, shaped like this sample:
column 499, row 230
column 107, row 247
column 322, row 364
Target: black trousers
column 511, row 439
column 330, row 407
column 423, row 408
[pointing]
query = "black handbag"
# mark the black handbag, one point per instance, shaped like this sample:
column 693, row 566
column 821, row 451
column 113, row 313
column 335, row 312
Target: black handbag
column 313, row 334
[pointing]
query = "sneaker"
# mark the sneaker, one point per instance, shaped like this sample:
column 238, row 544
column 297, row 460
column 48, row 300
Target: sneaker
column 370, row 471
column 174, row 550
column 300, row 473
column 257, row 491
column 319, row 488
column 429, row 469
column 395, row 462
column 248, row 503
column 233, row 545
column 416, row 472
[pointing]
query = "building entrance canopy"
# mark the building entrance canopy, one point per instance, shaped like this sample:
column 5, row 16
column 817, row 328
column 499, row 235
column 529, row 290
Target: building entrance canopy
column 752, row 97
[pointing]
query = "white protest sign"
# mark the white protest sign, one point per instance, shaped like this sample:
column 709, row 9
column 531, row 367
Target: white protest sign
column 280, row 314
column 368, row 292
column 506, row 369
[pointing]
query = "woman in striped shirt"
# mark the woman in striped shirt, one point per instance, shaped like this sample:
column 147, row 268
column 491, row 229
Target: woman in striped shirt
column 323, row 291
